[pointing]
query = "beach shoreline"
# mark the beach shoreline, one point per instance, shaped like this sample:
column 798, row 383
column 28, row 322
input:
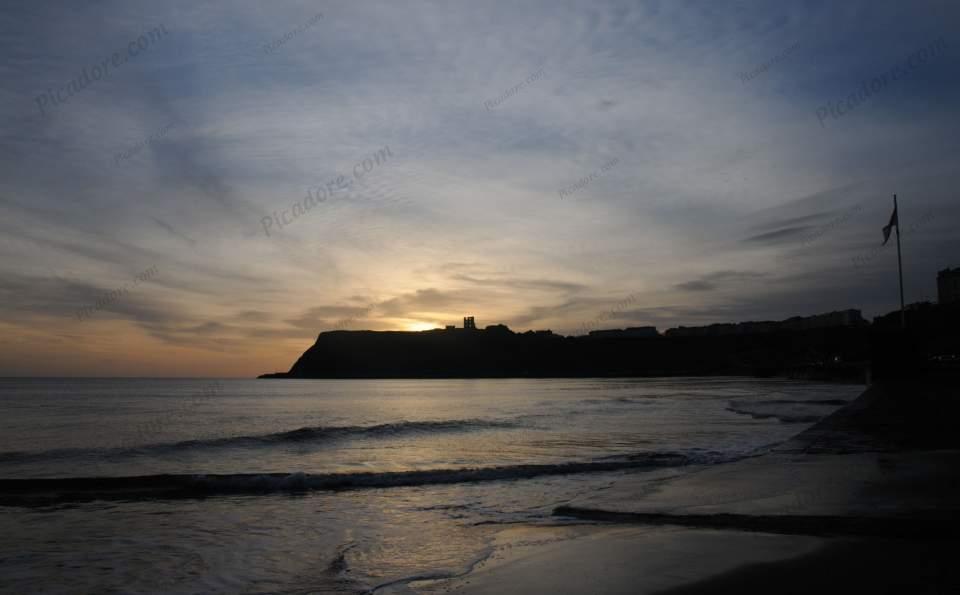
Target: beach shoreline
column 864, row 500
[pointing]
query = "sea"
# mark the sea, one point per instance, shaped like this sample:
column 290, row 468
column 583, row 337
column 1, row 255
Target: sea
column 339, row 486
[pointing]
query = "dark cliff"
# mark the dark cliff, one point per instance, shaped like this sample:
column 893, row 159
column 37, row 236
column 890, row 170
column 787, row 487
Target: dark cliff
column 499, row 352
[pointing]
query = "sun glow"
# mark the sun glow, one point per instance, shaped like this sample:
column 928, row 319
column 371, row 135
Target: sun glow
column 421, row 326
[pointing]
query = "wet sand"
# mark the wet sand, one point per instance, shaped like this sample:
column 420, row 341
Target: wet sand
column 692, row 561
column 864, row 501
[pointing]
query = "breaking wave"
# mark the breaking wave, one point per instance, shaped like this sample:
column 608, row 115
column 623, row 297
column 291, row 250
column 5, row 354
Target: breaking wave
column 834, row 402
column 310, row 434
column 32, row 492
column 786, row 410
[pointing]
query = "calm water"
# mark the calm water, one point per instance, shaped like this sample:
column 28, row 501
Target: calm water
column 537, row 444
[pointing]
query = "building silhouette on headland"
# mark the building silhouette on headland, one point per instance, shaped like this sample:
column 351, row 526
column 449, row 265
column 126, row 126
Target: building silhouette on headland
column 469, row 324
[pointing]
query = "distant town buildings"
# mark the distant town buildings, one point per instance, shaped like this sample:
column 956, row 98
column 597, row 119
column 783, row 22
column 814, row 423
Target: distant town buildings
column 469, row 324
column 797, row 323
column 948, row 286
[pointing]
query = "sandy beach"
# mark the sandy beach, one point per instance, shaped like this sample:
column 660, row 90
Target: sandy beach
column 864, row 501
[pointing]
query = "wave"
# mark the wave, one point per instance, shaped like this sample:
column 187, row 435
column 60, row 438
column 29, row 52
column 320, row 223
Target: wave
column 787, row 418
column 310, row 434
column 767, row 409
column 609, row 400
column 41, row 492
column 788, row 524
column 322, row 433
column 435, row 575
column 836, row 402
column 694, row 456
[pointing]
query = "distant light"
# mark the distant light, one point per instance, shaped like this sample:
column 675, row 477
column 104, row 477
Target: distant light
column 421, row 326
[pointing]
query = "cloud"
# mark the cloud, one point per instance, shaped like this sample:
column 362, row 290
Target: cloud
column 779, row 235
column 713, row 175
column 59, row 300
column 423, row 301
column 319, row 316
column 172, row 231
column 715, row 280
column 254, row 316
column 531, row 284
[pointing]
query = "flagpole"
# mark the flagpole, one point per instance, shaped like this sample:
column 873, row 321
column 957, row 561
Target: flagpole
column 903, row 314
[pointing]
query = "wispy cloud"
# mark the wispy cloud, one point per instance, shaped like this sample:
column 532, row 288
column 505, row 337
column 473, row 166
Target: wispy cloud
column 714, row 176
column 715, row 280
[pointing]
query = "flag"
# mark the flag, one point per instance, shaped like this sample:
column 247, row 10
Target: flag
column 894, row 220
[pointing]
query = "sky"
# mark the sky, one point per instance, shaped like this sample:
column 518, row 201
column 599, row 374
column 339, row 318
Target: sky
column 200, row 188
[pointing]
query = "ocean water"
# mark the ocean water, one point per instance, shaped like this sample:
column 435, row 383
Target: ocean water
column 338, row 486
